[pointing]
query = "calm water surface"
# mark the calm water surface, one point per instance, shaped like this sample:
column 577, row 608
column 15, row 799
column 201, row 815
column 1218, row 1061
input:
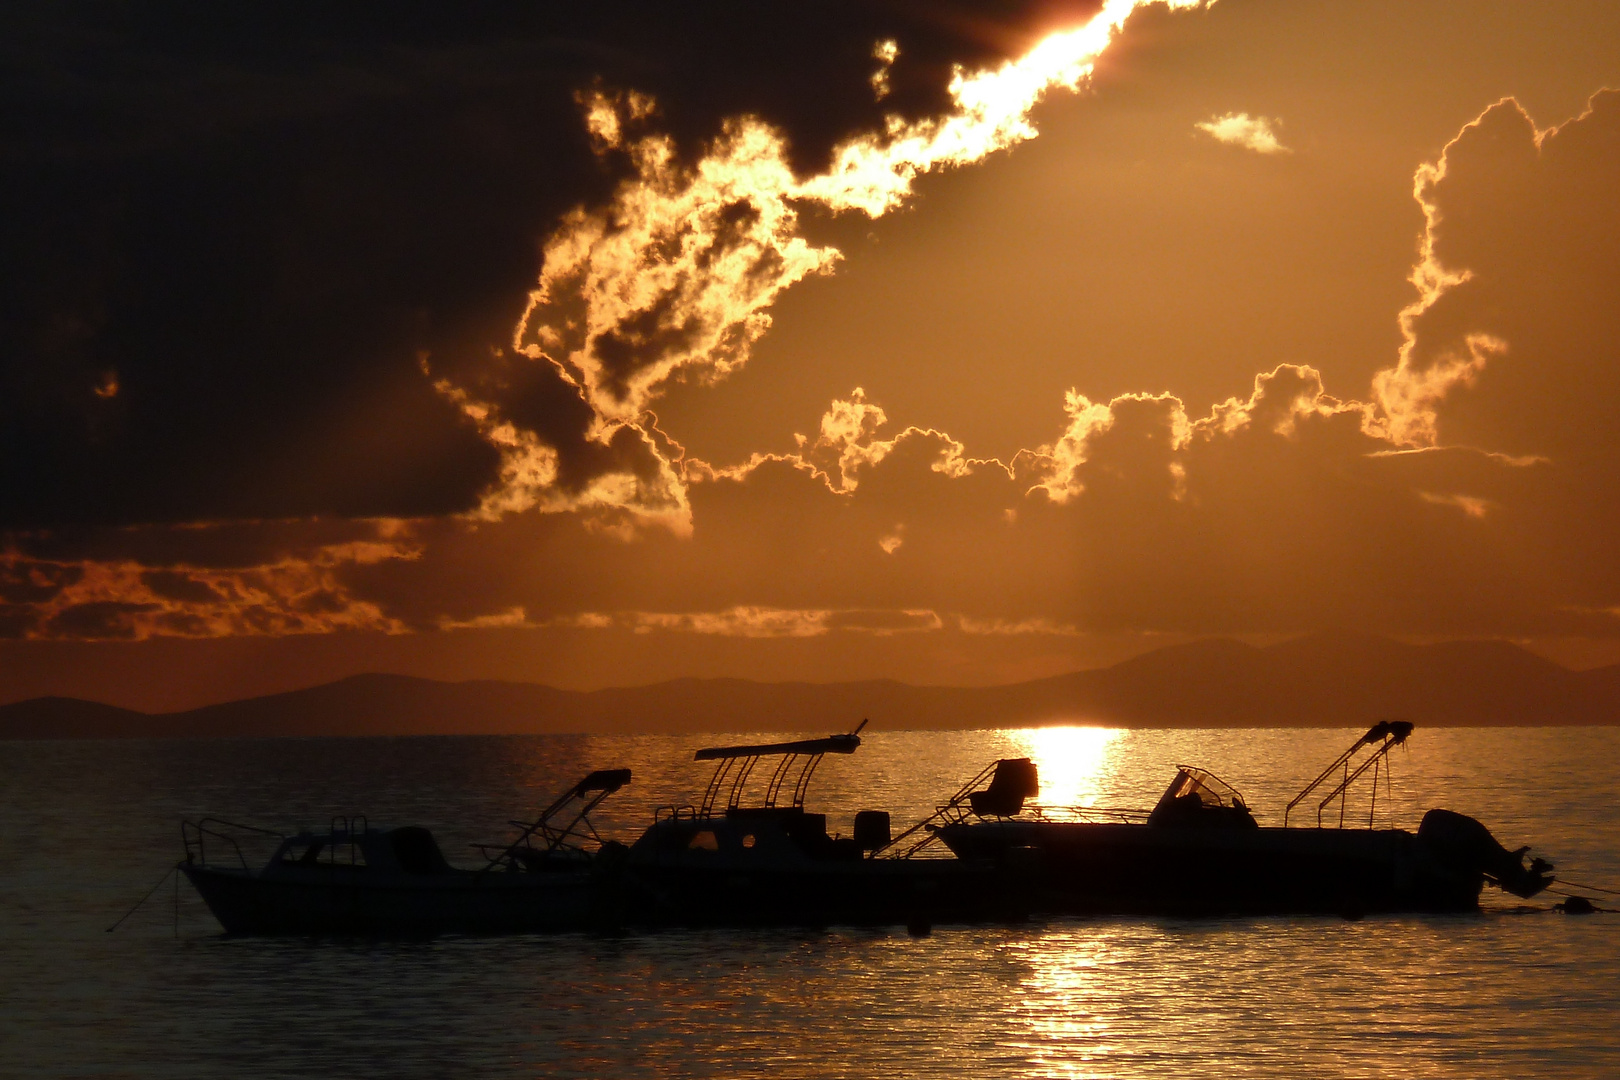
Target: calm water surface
column 86, row 828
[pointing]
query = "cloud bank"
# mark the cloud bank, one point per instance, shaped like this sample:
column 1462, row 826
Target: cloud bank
column 233, row 234
column 1470, row 489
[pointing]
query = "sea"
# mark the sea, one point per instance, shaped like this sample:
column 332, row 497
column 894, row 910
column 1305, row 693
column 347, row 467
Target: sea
column 87, row 828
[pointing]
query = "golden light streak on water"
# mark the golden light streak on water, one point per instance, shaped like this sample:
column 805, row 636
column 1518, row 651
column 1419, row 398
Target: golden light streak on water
column 1518, row 990
column 1067, row 1035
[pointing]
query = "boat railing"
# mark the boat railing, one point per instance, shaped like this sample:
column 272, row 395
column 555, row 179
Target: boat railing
column 1089, row 815
column 347, row 831
column 195, row 835
column 350, row 826
column 1382, row 737
column 678, row 813
column 564, row 828
column 999, row 790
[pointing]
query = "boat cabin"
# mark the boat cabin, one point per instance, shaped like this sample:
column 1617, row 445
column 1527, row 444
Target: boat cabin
column 723, row 829
column 354, row 846
column 1200, row 799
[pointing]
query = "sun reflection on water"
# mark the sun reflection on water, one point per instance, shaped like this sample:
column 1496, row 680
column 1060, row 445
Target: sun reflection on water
column 1075, row 763
column 1065, row 1026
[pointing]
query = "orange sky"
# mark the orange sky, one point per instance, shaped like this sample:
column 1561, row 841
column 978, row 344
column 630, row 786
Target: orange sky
column 1287, row 317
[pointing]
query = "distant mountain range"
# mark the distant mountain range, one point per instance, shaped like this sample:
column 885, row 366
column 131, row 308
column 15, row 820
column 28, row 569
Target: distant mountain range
column 1321, row 680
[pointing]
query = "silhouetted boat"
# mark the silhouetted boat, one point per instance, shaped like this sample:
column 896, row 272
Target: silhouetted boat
column 773, row 862
column 557, row 875
column 721, row 862
column 1199, row 851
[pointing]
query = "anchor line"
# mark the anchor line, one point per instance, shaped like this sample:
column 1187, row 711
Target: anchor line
column 149, row 894
column 1588, row 888
column 1567, row 891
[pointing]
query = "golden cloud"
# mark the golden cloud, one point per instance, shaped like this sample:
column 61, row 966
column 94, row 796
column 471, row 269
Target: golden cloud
column 676, row 274
column 1256, row 133
column 1474, row 493
column 91, row 599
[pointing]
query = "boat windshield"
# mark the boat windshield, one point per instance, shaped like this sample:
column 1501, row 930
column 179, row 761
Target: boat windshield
column 1209, row 789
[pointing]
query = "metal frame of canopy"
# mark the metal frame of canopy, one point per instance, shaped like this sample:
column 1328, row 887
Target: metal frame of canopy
column 738, row 763
column 555, row 837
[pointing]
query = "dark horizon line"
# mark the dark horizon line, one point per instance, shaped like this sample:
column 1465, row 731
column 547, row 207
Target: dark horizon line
column 1327, row 680
column 1214, row 639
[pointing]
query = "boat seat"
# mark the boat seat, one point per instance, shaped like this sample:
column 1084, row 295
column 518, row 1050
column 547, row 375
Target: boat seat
column 1014, row 781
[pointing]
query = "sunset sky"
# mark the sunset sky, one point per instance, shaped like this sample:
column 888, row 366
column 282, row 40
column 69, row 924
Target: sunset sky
column 949, row 341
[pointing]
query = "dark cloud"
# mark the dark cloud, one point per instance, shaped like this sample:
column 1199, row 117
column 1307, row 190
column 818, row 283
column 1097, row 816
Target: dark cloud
column 272, row 278
column 308, row 592
column 1284, row 511
column 231, row 231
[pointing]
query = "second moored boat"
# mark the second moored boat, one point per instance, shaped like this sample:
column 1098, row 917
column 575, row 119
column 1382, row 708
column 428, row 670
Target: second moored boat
column 1199, row 850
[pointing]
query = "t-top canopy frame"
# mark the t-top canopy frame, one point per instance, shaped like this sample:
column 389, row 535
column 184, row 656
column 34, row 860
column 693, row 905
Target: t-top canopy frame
column 737, row 763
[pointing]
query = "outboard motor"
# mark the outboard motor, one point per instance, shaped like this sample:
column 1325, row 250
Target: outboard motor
column 1461, row 843
column 872, row 829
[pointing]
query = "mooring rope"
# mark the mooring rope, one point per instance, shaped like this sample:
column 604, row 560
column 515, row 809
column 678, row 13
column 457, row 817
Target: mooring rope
column 149, row 894
column 1588, row 888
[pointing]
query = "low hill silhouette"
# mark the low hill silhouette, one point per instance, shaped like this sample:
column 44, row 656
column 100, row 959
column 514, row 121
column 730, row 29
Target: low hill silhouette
column 1339, row 680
